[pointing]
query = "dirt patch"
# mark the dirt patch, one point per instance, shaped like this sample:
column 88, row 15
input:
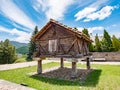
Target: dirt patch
column 65, row 73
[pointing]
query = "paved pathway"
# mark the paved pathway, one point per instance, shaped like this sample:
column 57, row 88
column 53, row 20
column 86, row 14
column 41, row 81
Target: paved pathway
column 33, row 63
column 6, row 85
column 21, row 65
column 103, row 63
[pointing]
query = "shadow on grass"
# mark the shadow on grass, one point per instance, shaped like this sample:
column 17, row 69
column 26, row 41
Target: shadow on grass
column 91, row 81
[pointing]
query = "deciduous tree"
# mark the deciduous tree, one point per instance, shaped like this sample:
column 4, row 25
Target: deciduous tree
column 7, row 52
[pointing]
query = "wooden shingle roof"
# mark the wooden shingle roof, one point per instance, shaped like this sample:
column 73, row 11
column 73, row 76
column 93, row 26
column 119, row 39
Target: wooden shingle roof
column 77, row 33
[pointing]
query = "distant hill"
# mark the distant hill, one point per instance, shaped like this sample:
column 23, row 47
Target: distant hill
column 21, row 48
column 18, row 44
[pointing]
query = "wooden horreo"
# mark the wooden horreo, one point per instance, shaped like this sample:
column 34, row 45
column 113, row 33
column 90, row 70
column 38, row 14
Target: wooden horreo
column 60, row 41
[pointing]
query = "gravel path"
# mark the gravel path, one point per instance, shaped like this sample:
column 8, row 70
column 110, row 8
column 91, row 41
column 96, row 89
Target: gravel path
column 21, row 65
column 6, row 85
column 33, row 63
column 103, row 63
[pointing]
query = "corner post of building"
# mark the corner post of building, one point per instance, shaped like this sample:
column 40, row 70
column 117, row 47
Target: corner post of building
column 74, row 68
column 39, row 69
column 61, row 63
column 88, row 63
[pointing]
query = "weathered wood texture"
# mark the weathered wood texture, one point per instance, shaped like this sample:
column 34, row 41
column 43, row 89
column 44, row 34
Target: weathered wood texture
column 88, row 63
column 68, row 44
column 74, row 70
column 61, row 62
column 39, row 68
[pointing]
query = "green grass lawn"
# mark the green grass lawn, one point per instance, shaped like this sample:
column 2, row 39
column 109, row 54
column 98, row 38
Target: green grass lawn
column 104, row 77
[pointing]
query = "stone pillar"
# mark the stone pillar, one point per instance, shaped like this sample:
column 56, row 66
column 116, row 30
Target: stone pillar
column 61, row 63
column 39, row 69
column 88, row 63
column 74, row 68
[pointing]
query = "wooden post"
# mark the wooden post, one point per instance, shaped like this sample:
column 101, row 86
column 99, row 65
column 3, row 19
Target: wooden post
column 74, row 69
column 61, row 63
column 39, row 69
column 88, row 63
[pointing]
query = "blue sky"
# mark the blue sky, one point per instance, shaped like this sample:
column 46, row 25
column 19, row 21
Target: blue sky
column 19, row 17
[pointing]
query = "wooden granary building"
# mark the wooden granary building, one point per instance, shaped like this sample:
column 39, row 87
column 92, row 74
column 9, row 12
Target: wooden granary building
column 60, row 41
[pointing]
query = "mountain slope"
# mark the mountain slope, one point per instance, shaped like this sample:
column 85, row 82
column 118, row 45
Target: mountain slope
column 18, row 44
column 22, row 50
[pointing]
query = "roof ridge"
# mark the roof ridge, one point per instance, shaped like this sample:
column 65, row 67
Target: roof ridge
column 52, row 20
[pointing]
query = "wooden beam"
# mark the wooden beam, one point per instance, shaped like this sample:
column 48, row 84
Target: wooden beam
column 83, row 47
column 63, row 37
column 62, row 48
column 42, row 48
column 61, row 63
column 39, row 69
column 71, row 45
column 54, row 31
column 85, row 51
column 42, row 31
column 78, row 46
column 88, row 63
column 74, row 70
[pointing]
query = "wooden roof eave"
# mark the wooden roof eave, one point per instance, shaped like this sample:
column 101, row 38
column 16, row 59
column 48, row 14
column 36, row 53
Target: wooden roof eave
column 43, row 30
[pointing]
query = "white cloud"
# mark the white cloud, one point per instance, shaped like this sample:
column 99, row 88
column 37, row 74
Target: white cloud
column 19, row 36
column 117, row 34
column 14, row 13
column 22, row 36
column 93, row 11
column 101, row 14
column 84, row 13
column 91, row 29
column 53, row 8
column 80, row 28
column 99, row 3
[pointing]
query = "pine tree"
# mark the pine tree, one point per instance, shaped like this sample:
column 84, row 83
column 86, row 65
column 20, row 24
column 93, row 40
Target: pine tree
column 108, row 40
column 116, row 43
column 104, row 46
column 91, row 47
column 32, row 47
column 97, row 43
